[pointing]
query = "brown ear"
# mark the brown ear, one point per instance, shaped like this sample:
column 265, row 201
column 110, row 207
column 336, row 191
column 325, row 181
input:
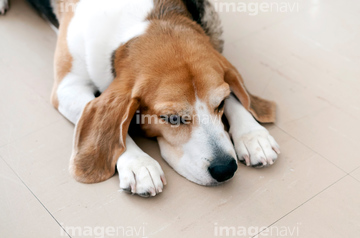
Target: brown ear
column 101, row 132
column 263, row 110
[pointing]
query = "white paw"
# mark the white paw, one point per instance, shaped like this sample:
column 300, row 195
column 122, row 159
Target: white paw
column 4, row 6
column 256, row 148
column 140, row 174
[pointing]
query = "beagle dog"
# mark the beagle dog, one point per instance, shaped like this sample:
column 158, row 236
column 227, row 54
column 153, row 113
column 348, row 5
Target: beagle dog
column 160, row 59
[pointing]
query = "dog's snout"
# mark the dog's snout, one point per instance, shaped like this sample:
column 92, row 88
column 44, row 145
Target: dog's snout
column 224, row 170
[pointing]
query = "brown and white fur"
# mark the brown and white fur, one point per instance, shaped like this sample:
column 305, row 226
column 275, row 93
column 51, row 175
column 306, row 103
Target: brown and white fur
column 160, row 58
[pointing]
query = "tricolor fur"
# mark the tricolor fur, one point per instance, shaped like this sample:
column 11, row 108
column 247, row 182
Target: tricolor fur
column 161, row 57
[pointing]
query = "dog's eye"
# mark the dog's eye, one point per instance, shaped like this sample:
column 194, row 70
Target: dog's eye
column 172, row 119
column 220, row 107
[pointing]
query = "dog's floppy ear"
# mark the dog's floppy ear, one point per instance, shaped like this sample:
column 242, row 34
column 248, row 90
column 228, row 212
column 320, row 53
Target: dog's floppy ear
column 100, row 133
column 263, row 110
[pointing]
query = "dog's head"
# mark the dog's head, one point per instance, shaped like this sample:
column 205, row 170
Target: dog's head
column 182, row 106
column 179, row 84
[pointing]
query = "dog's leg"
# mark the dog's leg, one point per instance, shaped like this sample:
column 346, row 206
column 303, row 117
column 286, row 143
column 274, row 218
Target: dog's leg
column 253, row 143
column 73, row 93
column 4, row 6
column 138, row 172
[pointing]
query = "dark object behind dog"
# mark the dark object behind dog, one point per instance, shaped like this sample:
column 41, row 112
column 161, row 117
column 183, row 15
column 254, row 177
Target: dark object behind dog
column 45, row 9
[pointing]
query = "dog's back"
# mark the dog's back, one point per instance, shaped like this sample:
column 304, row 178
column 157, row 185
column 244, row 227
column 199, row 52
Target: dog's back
column 201, row 11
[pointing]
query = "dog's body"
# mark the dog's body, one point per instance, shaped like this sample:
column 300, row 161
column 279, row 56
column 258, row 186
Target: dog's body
column 160, row 57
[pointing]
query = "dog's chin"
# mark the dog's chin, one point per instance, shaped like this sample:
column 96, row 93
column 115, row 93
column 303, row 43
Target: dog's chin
column 209, row 182
column 213, row 184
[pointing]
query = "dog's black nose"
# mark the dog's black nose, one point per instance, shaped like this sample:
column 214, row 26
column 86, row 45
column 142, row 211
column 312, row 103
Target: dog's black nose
column 222, row 171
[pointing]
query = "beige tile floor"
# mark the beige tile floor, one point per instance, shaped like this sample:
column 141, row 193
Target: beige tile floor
column 307, row 61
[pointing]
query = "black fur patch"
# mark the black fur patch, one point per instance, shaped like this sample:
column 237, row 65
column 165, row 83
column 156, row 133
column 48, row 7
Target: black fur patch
column 196, row 9
column 113, row 71
column 165, row 8
column 97, row 94
column 45, row 9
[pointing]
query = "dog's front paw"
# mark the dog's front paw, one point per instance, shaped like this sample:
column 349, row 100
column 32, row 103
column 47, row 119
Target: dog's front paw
column 256, row 148
column 4, row 6
column 141, row 175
